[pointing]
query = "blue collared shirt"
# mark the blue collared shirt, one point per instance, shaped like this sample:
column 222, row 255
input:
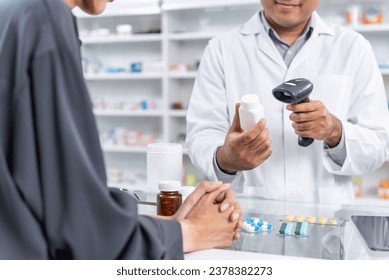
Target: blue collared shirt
column 287, row 52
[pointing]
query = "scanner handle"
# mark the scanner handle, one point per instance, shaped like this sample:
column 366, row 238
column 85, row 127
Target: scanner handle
column 305, row 141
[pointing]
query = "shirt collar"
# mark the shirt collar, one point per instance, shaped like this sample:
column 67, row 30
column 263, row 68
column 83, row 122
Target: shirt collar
column 307, row 32
column 255, row 26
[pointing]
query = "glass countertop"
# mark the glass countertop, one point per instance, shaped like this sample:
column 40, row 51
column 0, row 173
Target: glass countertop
column 343, row 241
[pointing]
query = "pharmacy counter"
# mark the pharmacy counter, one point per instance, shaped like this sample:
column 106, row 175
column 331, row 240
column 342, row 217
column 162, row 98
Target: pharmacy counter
column 343, row 241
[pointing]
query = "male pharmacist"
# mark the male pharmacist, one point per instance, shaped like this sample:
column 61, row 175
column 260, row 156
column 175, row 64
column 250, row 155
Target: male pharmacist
column 54, row 203
column 347, row 115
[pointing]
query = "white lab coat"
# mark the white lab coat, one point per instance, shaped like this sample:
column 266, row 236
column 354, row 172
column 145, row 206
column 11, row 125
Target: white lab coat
column 346, row 78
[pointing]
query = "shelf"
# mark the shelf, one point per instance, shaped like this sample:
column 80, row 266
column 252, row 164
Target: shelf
column 119, row 13
column 183, row 75
column 124, row 149
column 201, row 4
column 135, row 150
column 146, row 113
column 122, row 39
column 178, row 113
column 190, row 36
column 370, row 28
column 123, row 76
column 125, row 186
column 122, row 113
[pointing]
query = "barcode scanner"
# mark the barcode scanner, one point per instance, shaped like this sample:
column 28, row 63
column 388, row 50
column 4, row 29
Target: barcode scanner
column 294, row 92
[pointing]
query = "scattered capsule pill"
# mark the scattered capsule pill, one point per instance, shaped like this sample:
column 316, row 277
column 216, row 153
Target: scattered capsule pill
column 289, row 229
column 322, row 220
column 256, row 225
column 311, row 220
column 289, row 218
column 300, row 218
column 286, row 228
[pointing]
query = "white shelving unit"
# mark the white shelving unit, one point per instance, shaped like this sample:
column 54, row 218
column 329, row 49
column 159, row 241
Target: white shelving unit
column 371, row 28
column 125, row 8
column 190, row 36
column 183, row 75
column 177, row 113
column 123, row 113
column 123, row 91
column 171, row 5
column 124, row 149
column 121, row 39
column 123, row 76
column 377, row 34
column 185, row 29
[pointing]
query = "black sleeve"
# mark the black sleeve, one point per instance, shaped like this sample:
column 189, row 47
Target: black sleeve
column 83, row 218
column 54, row 202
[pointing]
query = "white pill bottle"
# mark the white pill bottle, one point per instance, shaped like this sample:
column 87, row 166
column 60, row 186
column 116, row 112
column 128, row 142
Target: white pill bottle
column 250, row 111
column 164, row 162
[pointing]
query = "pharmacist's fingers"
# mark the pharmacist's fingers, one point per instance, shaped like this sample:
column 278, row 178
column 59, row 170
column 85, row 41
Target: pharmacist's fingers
column 261, row 140
column 252, row 135
column 235, row 126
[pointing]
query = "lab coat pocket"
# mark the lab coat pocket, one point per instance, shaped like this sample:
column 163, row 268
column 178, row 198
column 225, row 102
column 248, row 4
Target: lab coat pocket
column 255, row 183
column 334, row 91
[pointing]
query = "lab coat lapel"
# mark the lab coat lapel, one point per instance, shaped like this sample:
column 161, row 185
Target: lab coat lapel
column 320, row 28
column 306, row 52
column 266, row 45
column 254, row 27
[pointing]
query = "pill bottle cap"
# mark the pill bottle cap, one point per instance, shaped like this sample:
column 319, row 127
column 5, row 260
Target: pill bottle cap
column 164, row 148
column 249, row 101
column 169, row 186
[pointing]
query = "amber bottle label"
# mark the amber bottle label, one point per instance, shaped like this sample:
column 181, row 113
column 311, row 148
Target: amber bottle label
column 168, row 203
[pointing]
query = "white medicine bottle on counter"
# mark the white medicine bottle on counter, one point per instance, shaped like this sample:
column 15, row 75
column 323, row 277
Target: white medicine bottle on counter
column 250, row 111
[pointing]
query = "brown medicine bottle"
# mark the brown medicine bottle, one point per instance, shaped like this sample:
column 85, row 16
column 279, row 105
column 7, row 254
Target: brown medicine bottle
column 169, row 198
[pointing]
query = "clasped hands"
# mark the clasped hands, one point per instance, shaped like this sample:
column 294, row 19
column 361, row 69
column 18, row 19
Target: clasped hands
column 209, row 217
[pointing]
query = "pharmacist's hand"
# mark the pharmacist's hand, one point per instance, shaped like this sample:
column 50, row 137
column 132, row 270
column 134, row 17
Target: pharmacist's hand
column 244, row 150
column 225, row 200
column 206, row 227
column 313, row 120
